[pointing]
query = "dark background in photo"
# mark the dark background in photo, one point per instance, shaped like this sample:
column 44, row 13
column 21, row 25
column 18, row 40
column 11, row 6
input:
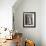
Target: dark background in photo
column 28, row 19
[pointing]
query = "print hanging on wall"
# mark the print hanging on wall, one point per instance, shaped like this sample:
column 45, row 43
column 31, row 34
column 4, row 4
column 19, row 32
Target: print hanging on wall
column 29, row 19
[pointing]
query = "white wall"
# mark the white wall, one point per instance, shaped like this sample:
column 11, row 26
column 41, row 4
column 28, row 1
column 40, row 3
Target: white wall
column 29, row 6
column 43, row 22
column 6, row 13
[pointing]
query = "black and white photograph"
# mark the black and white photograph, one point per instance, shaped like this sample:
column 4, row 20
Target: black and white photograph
column 29, row 19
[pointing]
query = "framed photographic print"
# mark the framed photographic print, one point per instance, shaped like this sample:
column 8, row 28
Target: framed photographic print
column 29, row 19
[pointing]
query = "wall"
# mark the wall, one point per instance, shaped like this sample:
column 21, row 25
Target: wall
column 28, row 6
column 43, row 22
column 6, row 13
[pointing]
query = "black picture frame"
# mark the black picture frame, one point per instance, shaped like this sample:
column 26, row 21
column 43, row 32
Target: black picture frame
column 29, row 19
